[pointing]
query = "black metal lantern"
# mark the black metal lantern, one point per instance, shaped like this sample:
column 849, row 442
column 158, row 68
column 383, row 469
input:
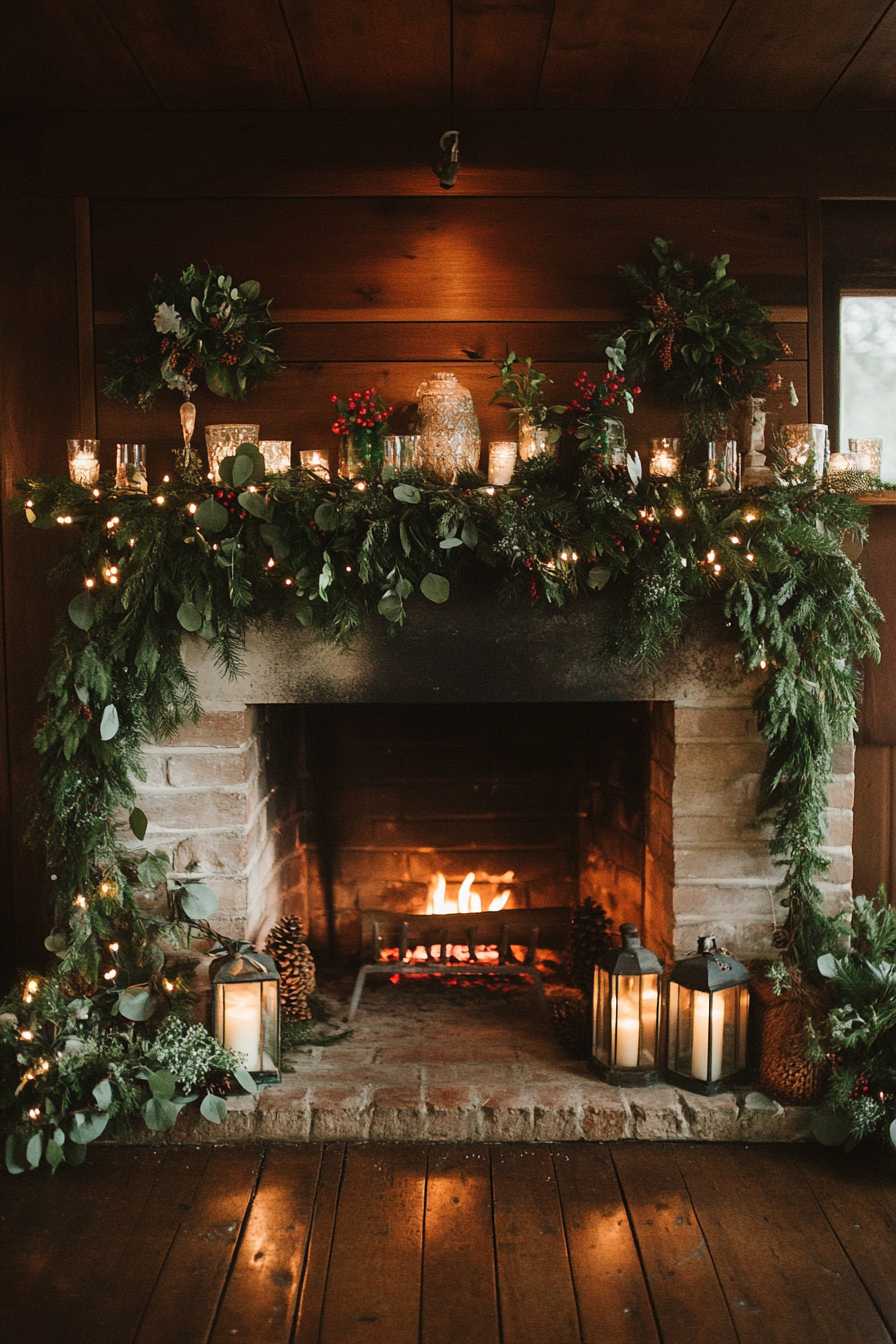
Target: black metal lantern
column 246, row 989
column 707, row 1010
column 626, row 1008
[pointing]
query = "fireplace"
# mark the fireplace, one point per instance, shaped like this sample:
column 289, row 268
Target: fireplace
column 329, row 783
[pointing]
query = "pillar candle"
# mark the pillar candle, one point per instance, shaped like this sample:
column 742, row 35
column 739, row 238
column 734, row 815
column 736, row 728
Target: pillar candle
column 700, row 1052
column 242, row 1022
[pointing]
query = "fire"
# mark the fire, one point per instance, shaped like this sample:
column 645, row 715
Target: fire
column 469, row 902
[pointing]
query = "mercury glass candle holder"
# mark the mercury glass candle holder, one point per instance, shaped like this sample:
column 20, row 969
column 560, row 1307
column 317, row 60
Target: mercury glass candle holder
column 277, row 454
column 223, row 440
column 806, row 445
column 866, row 455
column 665, row 457
column 315, row 461
column 501, row 461
column 533, row 440
column 130, row 467
column 84, row 460
column 409, row 449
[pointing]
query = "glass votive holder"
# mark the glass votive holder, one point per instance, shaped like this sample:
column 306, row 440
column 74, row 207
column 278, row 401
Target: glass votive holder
column 130, row 466
column 223, row 440
column 392, row 452
column 866, row 455
column 84, row 460
column 806, row 445
column 533, row 440
column 315, row 461
column 408, row 450
column 277, row 454
column 501, row 461
column 723, row 464
column 665, row 457
column 616, row 447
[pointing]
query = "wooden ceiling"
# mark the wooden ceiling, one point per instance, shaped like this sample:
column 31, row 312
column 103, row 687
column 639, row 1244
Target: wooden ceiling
column 316, row 55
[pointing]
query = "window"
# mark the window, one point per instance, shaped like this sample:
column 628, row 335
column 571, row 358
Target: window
column 868, row 373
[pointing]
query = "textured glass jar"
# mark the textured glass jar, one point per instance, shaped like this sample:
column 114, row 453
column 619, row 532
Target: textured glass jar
column 534, row 440
column 449, row 430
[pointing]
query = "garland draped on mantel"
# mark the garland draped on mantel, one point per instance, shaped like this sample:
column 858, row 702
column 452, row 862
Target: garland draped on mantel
column 211, row 560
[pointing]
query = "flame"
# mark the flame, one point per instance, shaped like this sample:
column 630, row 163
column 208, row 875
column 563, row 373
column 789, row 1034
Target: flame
column 469, row 902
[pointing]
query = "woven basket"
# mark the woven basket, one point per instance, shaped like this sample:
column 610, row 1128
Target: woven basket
column 784, row 1071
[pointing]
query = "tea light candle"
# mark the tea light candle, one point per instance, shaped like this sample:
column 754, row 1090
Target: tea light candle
column 664, row 459
column 839, row 463
column 501, row 461
column 277, row 454
column 83, row 460
column 314, row 461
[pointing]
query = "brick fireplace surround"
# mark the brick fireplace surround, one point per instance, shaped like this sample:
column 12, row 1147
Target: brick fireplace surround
column 216, row 798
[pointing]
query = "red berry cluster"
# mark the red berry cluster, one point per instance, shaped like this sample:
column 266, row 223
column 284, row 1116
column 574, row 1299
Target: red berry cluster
column 610, row 392
column 861, row 1087
column 363, row 410
column 231, row 503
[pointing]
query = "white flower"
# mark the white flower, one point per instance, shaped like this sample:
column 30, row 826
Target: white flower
column 168, row 319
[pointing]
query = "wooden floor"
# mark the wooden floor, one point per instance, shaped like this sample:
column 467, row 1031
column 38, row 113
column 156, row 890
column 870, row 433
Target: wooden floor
column 481, row 1244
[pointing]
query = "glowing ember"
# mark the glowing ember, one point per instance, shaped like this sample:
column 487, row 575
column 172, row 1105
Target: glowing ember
column 468, row 901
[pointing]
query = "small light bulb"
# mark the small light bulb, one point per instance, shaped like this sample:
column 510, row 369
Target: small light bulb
column 113, row 947
column 169, row 987
column 710, row 556
column 253, row 489
column 112, row 522
column 160, row 499
column 348, row 569
column 26, row 1035
column 763, row 664
column 32, row 986
column 717, row 569
column 96, row 494
column 166, row 479
column 564, row 556
column 191, row 508
column 113, row 578
column 45, row 1066
column 105, row 888
column 735, row 540
column 27, row 997
column 270, row 564
column 80, row 901
column 288, row 583
column 749, row 517
column 113, row 569
column 110, row 975
column 360, row 485
column 679, row 513
column 750, row 556
column 29, row 503
column 574, row 556
column 90, row 583
column 34, row 1113
column 489, row 489
column 209, row 475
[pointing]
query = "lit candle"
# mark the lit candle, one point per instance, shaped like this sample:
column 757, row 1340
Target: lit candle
column 314, row 461
column 627, row 1035
column 277, row 454
column 501, row 461
column 84, row 469
column 839, row 463
column 700, row 1051
column 242, row 1022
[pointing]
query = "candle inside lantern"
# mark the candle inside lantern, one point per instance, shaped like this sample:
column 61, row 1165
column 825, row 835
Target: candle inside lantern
column 839, row 462
column 277, row 454
column 627, row 1023
column 314, row 461
column 701, row 1065
column 665, row 457
column 242, row 1022
column 83, row 461
column 501, row 461
column 867, row 454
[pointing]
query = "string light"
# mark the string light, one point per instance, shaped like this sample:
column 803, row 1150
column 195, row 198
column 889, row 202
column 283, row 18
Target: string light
column 90, row 583
column 45, row 1066
column 288, row 583
column 166, row 479
column 96, row 494
column 159, row 499
column 360, row 485
column 564, row 556
column 750, row 517
column 64, row 518
column 270, row 564
column 32, row 986
column 191, row 508
column 489, row 489
column 348, row 569
column 34, row 1113
column 253, row 489
column 574, row 556
column 105, row 888
column 735, row 540
column 763, row 664
column 110, row 975
column 113, row 947
column 717, row 569
column 29, row 503
column 26, row 1035
column 168, row 986
column 750, row 556
column 678, row 512
column 81, row 901
column 112, row 522
column 710, row 556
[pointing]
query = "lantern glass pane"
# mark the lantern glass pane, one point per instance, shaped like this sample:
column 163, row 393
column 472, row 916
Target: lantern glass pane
column 742, row 1011
column 602, row 1034
column 649, row 1012
column 240, row 1019
column 270, row 1027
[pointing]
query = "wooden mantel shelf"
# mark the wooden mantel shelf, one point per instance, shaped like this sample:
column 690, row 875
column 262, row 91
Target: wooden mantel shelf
column 879, row 497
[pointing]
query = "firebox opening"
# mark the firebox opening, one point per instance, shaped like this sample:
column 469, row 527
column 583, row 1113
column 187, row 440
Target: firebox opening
column 432, row 808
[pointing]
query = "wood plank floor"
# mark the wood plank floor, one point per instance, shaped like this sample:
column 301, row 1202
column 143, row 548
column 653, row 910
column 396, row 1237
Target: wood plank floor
column 629, row 1243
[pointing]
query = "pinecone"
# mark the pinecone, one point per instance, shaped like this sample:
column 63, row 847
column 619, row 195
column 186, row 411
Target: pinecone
column 589, row 936
column 569, row 1018
column 286, row 944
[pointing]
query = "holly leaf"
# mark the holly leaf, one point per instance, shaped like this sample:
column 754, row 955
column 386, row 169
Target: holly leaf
column 82, row 611
column 326, row 517
column 211, row 516
column 159, row 1113
column 138, row 822
column 435, row 587
column 213, row 1108
column 109, row 723
column 198, row 900
column 406, row 494
column 190, row 618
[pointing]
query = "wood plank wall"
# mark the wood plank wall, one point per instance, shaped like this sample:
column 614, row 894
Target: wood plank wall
column 377, row 276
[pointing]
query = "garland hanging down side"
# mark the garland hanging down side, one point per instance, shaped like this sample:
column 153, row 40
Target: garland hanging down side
column 210, row 560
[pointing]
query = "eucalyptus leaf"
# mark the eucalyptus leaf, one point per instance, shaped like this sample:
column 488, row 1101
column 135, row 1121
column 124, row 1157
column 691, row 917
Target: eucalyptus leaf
column 75, row 1153
column 243, row 468
column 83, row 694
column 190, row 618
column 198, row 900
column 82, row 611
column 138, row 822
column 57, row 943
column 254, row 503
column 162, row 1084
column 827, row 966
column 55, row 1154
column 137, row 1003
column 406, row 494
column 16, row 1161
column 598, row 576
column 633, row 463
column 404, row 588
column 159, row 1114
column 152, row 869
column 469, row 534
column 34, row 1149
column 211, row 516
column 245, row 1080
column 404, row 538
column 449, row 543
column 213, row 1108
column 435, row 587
column 326, row 517
column 109, row 723
column 270, row 533
column 892, row 1133
column 390, row 606
column 388, row 472
column 249, row 290
column 103, row 1094
column 225, row 470
column 830, row 1128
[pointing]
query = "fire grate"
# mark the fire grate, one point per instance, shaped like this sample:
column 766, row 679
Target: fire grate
column 497, row 932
